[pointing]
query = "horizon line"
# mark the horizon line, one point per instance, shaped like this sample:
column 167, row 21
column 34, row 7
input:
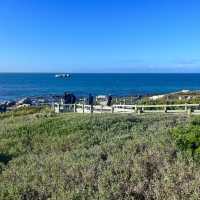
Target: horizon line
column 100, row 72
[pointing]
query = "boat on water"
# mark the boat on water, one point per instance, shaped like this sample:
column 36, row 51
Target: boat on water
column 64, row 76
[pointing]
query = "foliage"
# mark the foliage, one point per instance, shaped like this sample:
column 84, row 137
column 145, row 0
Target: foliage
column 22, row 112
column 188, row 137
column 79, row 156
column 161, row 101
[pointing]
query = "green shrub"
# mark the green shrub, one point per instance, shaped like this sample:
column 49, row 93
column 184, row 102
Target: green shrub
column 187, row 137
column 75, row 156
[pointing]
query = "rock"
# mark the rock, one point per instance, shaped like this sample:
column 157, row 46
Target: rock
column 24, row 101
column 3, row 107
column 10, row 103
column 69, row 98
column 23, row 105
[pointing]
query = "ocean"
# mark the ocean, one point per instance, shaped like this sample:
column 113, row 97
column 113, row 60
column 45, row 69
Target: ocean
column 18, row 85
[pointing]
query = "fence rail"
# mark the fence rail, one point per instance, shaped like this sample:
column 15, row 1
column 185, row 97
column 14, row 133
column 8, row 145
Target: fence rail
column 83, row 108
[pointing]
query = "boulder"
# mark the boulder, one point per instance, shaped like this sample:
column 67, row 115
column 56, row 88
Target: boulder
column 69, row 98
column 109, row 100
column 23, row 106
column 3, row 107
column 90, row 100
column 10, row 103
column 26, row 100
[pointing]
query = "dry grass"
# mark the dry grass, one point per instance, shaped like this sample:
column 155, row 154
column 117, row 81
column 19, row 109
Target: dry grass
column 71, row 156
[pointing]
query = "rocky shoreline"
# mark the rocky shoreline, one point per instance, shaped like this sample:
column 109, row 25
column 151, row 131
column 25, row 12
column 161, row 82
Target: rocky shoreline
column 28, row 101
column 70, row 98
column 47, row 100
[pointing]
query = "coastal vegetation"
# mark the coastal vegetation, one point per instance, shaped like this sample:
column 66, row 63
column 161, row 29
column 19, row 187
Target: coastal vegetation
column 103, row 156
column 187, row 138
column 161, row 101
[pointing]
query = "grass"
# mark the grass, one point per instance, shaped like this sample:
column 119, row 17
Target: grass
column 75, row 156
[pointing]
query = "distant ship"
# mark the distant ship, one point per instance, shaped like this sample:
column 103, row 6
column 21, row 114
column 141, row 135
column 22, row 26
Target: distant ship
column 64, row 76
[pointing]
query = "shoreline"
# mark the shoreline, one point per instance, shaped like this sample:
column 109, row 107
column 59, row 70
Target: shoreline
column 70, row 98
column 52, row 97
column 59, row 95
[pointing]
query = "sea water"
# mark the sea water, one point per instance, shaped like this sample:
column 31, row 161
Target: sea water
column 18, row 85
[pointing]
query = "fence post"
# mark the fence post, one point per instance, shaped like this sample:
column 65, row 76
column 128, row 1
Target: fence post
column 91, row 109
column 52, row 106
column 83, row 108
column 74, row 107
column 142, row 110
column 135, row 109
column 189, row 111
column 112, row 109
column 58, row 108
column 186, row 108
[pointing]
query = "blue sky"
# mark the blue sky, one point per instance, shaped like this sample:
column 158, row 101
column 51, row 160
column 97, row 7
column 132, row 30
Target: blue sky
column 100, row 36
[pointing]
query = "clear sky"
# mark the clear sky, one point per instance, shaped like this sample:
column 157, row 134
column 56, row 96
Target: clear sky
column 100, row 36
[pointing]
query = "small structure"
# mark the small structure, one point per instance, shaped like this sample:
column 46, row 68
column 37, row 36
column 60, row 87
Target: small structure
column 104, row 100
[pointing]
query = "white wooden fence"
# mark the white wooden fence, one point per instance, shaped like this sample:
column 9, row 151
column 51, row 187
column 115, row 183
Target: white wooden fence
column 83, row 108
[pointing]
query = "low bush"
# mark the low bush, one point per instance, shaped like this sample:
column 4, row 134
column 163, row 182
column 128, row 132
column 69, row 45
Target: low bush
column 187, row 137
column 75, row 156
